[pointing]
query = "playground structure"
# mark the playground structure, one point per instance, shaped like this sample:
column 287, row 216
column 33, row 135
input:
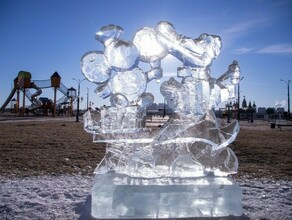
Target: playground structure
column 24, row 83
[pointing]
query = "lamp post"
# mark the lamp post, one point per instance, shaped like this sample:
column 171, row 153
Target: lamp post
column 288, row 84
column 228, row 105
column 78, row 97
column 87, row 98
column 238, row 97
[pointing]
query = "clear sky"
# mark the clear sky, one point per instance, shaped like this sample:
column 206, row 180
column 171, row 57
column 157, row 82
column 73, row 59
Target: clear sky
column 51, row 35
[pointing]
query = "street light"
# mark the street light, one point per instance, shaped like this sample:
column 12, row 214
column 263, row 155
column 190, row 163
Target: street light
column 238, row 97
column 87, row 98
column 78, row 97
column 72, row 95
column 288, row 83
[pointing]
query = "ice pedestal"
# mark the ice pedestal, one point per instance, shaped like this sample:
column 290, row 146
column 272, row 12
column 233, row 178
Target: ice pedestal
column 120, row 196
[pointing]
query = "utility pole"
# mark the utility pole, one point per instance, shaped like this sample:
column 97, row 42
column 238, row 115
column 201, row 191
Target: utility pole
column 87, row 98
column 78, row 97
column 288, row 88
column 228, row 105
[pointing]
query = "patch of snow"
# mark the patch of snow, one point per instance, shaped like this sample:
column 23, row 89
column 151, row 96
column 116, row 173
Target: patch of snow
column 69, row 197
column 267, row 199
column 46, row 197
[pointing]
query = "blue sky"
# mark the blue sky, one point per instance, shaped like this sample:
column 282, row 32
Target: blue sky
column 51, row 35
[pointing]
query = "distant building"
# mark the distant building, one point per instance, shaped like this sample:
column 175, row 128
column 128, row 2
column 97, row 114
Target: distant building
column 161, row 106
column 158, row 109
column 249, row 105
column 280, row 110
column 262, row 110
column 254, row 106
column 153, row 106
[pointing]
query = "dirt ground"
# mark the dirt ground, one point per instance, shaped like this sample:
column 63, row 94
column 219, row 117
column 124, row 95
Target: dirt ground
column 57, row 147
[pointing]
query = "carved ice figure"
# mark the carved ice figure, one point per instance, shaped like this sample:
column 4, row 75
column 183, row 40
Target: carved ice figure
column 150, row 51
column 94, row 67
column 191, row 143
column 198, row 92
column 109, row 33
column 174, row 171
column 117, row 75
column 194, row 53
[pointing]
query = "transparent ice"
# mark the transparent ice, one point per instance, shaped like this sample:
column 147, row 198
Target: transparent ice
column 191, row 141
column 178, row 198
column 109, row 33
column 121, row 55
column 149, row 48
column 94, row 67
column 190, row 144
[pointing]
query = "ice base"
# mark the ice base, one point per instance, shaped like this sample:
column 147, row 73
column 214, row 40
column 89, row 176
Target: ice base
column 121, row 196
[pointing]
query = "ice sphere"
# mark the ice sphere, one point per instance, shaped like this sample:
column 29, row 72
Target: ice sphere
column 130, row 83
column 149, row 48
column 166, row 29
column 94, row 67
column 121, row 55
column 108, row 33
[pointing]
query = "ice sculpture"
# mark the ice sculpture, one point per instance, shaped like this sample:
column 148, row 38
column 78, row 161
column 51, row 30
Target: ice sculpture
column 190, row 145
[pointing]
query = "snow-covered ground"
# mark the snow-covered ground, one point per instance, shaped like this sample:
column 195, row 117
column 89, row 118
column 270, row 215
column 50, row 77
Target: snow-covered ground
column 68, row 197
